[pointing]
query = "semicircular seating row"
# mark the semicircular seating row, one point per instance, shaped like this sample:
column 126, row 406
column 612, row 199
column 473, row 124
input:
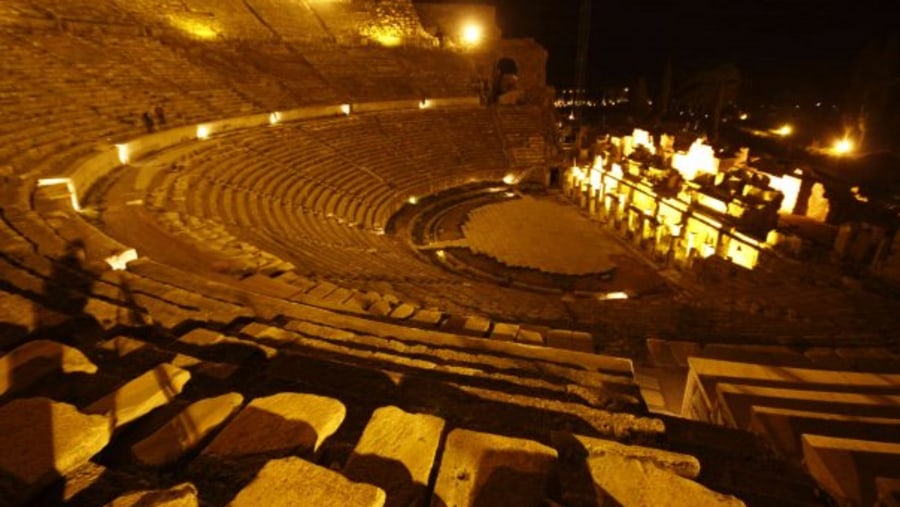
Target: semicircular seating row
column 313, row 193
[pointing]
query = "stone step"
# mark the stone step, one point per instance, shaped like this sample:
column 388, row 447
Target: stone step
column 847, row 468
column 42, row 441
column 293, row 482
column 182, row 495
column 284, row 422
column 36, row 359
column 785, row 427
column 139, row 396
column 396, row 453
column 486, row 469
column 185, row 431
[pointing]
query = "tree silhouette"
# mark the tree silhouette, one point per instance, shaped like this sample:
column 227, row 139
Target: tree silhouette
column 710, row 90
column 871, row 91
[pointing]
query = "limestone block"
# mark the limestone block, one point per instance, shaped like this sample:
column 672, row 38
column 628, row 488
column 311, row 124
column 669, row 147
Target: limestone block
column 396, row 453
column 170, row 442
column 381, row 308
column 404, row 311
column 33, row 360
column 293, row 482
column 282, row 422
column 207, row 338
column 476, row 324
column 505, row 331
column 42, row 440
column 847, row 467
column 570, row 340
column 136, row 398
column 684, row 465
column 121, row 346
column 182, row 495
column 432, row 317
column 628, row 480
column 485, row 469
column 530, row 337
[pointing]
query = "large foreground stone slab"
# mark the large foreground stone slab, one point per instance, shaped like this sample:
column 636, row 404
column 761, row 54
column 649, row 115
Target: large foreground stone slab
column 293, row 482
column 183, row 495
column 486, row 469
column 629, row 481
column 42, row 440
column 847, row 467
column 153, row 389
column 170, row 442
column 784, row 427
column 31, row 361
column 396, row 453
column 285, row 422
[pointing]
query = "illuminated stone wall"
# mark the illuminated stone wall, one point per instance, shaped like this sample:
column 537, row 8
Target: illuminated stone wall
column 452, row 19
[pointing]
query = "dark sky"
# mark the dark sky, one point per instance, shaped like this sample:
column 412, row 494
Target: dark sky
column 809, row 45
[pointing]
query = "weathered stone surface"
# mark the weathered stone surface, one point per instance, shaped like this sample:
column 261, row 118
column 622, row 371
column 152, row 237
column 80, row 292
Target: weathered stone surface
column 42, row 440
column 404, row 311
column 485, row 469
column 396, row 453
column 207, row 338
column 432, row 317
column 170, row 442
column 847, row 467
column 684, row 465
column 476, row 324
column 635, row 481
column 282, row 422
column 381, row 308
column 153, row 389
column 31, row 361
column 505, row 331
column 182, row 495
column 121, row 346
column 293, row 482
column 570, row 340
column 530, row 337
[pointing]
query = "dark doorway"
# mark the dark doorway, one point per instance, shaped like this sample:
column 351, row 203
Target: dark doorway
column 554, row 177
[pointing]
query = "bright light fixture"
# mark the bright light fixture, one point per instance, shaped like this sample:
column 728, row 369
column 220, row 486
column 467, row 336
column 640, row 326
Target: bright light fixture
column 202, row 132
column 785, row 130
column 345, row 108
column 471, row 34
column 842, row 146
column 274, row 118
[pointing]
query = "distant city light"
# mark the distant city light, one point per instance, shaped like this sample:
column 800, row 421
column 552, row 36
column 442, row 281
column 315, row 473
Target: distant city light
column 471, row 34
column 842, row 146
column 785, row 130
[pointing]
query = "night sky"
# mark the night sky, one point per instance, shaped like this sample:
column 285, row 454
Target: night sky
column 780, row 46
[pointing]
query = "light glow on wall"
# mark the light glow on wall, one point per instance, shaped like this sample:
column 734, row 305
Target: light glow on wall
column 124, row 155
column 203, row 132
column 642, row 138
column 413, row 200
column 424, row 104
column 345, row 108
column 386, row 35
column 70, row 186
column 275, row 118
column 119, row 262
column 510, row 179
column 699, row 159
column 789, row 186
column 195, row 28
column 612, row 296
